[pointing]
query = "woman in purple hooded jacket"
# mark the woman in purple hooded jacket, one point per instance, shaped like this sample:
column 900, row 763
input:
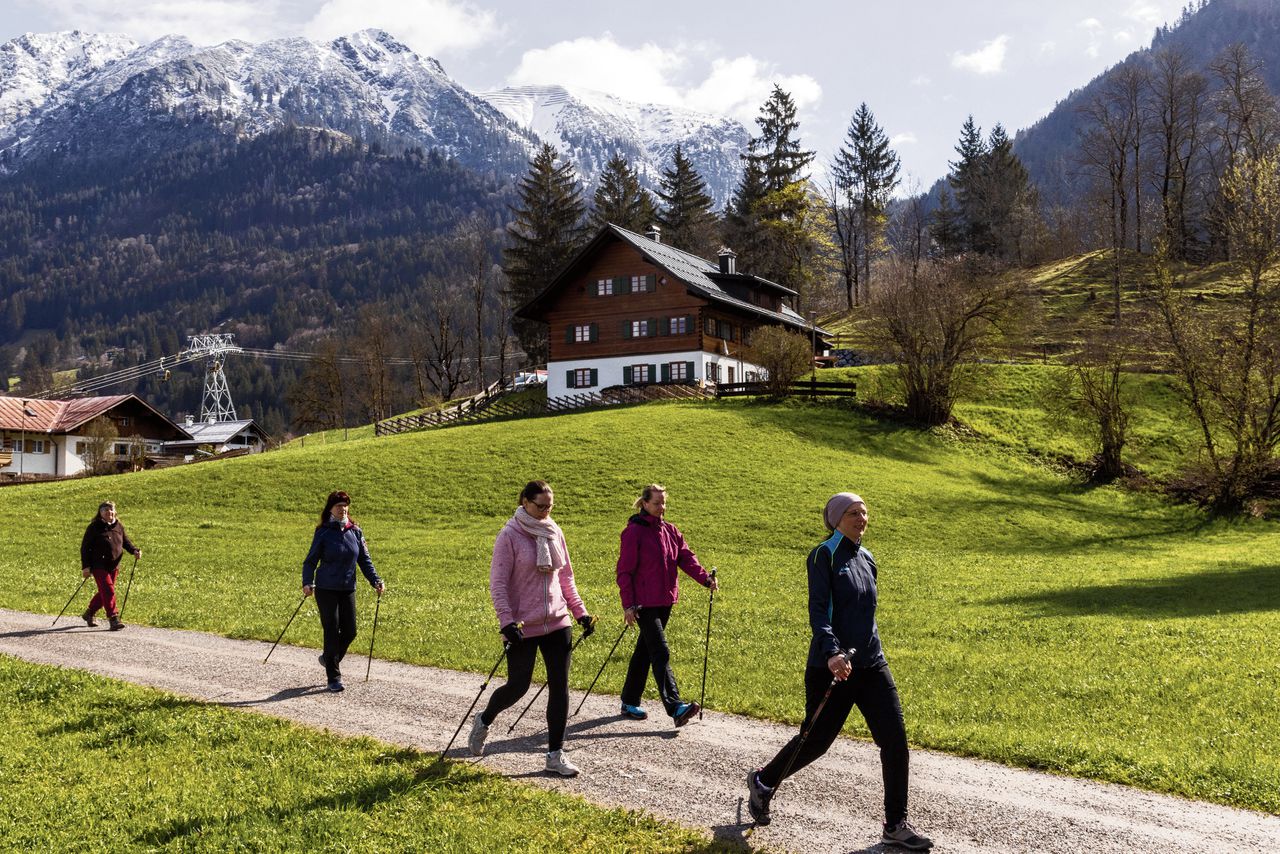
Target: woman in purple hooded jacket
column 652, row 550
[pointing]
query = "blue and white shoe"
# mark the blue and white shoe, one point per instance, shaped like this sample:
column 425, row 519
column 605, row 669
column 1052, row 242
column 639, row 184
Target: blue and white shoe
column 634, row 712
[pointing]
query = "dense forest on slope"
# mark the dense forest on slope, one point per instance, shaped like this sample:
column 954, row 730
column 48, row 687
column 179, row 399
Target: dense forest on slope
column 272, row 239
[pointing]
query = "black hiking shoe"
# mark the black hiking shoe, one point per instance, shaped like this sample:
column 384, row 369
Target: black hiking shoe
column 905, row 836
column 758, row 798
column 89, row 621
column 116, row 625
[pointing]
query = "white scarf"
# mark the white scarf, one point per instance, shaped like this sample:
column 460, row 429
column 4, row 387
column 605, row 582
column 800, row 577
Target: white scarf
column 546, row 535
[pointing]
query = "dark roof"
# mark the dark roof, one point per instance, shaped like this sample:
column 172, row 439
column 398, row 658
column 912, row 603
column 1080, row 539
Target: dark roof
column 698, row 273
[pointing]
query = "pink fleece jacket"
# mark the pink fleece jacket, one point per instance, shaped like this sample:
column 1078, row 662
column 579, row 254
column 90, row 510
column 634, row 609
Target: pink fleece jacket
column 544, row 601
column 651, row 551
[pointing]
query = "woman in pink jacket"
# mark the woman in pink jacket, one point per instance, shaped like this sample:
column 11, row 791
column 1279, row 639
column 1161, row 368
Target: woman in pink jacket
column 652, row 550
column 531, row 584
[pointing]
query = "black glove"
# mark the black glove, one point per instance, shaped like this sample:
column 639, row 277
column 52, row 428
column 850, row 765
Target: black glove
column 512, row 632
column 588, row 624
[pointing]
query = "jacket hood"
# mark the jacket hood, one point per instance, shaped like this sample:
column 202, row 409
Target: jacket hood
column 647, row 519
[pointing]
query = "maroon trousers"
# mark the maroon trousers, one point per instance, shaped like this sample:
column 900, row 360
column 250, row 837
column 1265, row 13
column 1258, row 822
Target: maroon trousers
column 106, row 595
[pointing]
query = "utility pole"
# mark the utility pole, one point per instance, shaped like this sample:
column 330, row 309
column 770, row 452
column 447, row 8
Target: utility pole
column 216, row 404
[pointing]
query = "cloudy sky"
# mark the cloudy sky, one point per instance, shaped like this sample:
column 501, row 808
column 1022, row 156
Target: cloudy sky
column 921, row 66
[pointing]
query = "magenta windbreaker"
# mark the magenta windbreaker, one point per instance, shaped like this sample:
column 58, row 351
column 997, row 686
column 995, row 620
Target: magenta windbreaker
column 651, row 551
column 543, row 601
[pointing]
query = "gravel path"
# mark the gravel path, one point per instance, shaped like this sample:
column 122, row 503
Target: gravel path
column 694, row 775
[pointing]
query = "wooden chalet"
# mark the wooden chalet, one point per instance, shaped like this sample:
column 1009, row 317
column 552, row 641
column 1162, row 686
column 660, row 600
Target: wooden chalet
column 48, row 437
column 630, row 310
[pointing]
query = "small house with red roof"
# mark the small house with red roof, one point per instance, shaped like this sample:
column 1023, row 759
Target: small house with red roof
column 631, row 310
column 48, row 437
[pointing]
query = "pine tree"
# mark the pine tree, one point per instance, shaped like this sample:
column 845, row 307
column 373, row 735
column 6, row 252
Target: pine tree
column 547, row 230
column 686, row 217
column 865, row 173
column 1010, row 200
column 620, row 199
column 771, row 196
column 966, row 181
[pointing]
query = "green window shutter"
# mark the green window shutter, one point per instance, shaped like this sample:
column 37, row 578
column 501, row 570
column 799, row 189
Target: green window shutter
column 653, row 326
column 595, row 377
column 688, row 370
column 653, row 373
column 569, row 379
column 626, row 375
column 593, row 290
column 626, row 329
column 653, row 281
column 595, row 332
column 664, row 326
column 568, row 334
column 622, row 284
column 666, row 372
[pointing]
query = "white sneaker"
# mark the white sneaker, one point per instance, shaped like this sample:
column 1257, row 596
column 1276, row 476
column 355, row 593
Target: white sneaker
column 479, row 732
column 558, row 763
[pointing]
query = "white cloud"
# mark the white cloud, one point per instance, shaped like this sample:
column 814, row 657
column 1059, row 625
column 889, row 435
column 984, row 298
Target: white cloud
column 1145, row 13
column 203, row 21
column 737, row 87
column 1048, row 48
column 988, row 59
column 1093, row 30
column 734, row 87
column 921, row 80
column 905, row 138
column 636, row 74
column 430, row 27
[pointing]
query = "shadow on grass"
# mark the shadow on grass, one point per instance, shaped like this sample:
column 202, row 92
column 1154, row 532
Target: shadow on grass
column 1234, row 590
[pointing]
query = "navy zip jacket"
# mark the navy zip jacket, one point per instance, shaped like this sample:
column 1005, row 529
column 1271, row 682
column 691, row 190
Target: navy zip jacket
column 335, row 552
column 842, row 603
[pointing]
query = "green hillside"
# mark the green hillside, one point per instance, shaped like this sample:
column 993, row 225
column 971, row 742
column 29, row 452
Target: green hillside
column 1028, row 619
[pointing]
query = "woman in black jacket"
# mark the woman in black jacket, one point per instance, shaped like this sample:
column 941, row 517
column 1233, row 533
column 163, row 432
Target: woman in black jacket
column 104, row 543
column 848, row 668
column 329, row 572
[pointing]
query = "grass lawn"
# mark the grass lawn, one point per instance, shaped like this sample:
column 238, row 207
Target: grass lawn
column 92, row 764
column 1028, row 619
column 1006, row 405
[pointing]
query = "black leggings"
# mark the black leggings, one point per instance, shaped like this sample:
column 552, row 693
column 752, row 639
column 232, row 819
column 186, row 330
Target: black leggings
column 653, row 653
column 555, row 656
column 873, row 691
column 338, row 619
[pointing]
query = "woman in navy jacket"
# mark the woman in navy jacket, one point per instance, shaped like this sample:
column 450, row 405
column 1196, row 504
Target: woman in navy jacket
column 329, row 572
column 845, row 658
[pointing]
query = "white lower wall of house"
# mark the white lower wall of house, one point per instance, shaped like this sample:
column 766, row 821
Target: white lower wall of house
column 609, row 370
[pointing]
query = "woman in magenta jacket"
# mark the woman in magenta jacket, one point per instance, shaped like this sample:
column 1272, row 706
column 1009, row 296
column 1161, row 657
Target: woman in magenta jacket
column 533, row 592
column 652, row 550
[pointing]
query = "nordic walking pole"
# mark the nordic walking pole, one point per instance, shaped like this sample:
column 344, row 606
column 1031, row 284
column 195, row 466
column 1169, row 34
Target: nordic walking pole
column 506, row 646
column 808, row 729
column 69, row 601
column 127, row 588
column 602, row 667
column 373, row 635
column 580, row 639
column 706, row 649
column 285, row 629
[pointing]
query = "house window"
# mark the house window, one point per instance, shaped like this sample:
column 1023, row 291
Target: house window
column 37, row 446
column 121, row 449
column 640, row 374
column 713, row 372
column 582, row 334
column 80, row 449
column 710, row 326
column 582, row 378
column 640, row 329
column 731, row 374
column 604, row 287
column 679, row 371
column 123, row 420
column 678, row 325
column 16, row 444
column 639, row 284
